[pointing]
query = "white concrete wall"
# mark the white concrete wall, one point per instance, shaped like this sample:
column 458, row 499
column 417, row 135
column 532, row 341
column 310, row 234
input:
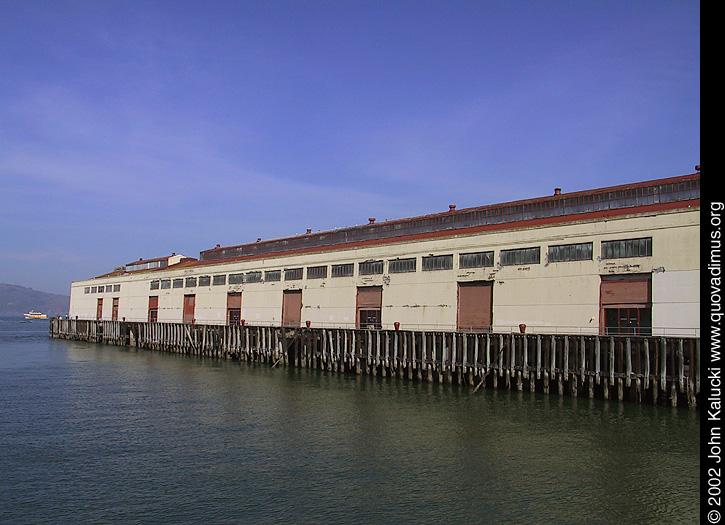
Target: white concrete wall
column 562, row 296
column 676, row 304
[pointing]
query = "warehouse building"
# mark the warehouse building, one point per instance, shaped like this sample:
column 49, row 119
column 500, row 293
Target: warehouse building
column 616, row 260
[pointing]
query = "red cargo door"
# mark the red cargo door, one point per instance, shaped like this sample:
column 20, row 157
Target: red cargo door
column 475, row 306
column 189, row 304
column 626, row 305
column 99, row 309
column 369, row 307
column 153, row 309
column 292, row 308
column 114, row 312
column 234, row 308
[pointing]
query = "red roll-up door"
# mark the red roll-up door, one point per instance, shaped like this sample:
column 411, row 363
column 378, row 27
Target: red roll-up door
column 625, row 292
column 234, row 308
column 369, row 307
column 153, row 309
column 189, row 305
column 626, row 305
column 292, row 308
column 475, row 306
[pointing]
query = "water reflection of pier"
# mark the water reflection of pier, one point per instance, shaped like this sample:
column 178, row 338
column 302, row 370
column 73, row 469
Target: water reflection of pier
column 659, row 370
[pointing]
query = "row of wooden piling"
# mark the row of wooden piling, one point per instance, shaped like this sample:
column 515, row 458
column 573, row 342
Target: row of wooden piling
column 659, row 370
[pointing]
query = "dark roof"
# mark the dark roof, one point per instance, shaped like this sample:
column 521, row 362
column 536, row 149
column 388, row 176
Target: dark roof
column 155, row 259
column 559, row 207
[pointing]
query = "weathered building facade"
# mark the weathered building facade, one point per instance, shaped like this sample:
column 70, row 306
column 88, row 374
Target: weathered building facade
column 614, row 260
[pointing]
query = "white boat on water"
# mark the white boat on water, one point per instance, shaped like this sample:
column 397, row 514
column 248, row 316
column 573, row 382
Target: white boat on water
column 35, row 315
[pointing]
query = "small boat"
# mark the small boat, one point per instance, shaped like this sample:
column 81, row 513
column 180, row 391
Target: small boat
column 35, row 315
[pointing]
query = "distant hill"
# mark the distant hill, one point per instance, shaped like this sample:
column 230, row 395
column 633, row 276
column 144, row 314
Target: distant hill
column 17, row 300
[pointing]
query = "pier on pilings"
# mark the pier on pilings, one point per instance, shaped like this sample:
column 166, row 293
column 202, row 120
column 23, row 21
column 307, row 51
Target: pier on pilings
column 640, row 369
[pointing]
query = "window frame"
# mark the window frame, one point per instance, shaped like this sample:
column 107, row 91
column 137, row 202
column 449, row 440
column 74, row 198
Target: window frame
column 403, row 265
column 293, row 274
column 235, row 278
column 317, row 272
column 435, row 263
column 343, row 270
column 612, row 249
column 273, row 275
column 371, row 267
column 521, row 256
column 253, row 277
column 479, row 260
column 581, row 251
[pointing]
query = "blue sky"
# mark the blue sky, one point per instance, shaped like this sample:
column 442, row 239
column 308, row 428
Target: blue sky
column 137, row 129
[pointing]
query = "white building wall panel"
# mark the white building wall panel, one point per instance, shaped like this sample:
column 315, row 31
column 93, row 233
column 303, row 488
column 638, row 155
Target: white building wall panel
column 676, row 303
column 549, row 296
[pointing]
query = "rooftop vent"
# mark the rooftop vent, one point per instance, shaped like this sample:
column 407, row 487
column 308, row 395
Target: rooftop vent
column 372, row 220
column 451, row 207
column 557, row 191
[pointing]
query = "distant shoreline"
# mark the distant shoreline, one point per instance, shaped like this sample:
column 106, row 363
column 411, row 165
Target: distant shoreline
column 17, row 300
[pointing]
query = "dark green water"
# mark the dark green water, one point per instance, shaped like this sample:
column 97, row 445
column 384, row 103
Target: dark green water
column 100, row 434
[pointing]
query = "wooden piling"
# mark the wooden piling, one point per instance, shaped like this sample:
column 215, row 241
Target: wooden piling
column 638, row 369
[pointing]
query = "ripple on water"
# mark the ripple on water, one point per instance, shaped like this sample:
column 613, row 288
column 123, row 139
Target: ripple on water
column 105, row 434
